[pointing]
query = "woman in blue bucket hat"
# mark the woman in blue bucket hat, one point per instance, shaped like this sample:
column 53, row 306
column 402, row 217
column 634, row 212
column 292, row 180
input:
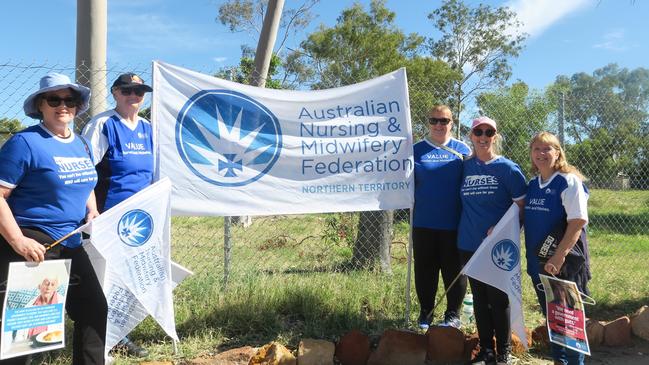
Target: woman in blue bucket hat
column 46, row 192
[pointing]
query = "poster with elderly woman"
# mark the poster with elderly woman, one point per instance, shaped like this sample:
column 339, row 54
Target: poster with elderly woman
column 32, row 316
column 566, row 315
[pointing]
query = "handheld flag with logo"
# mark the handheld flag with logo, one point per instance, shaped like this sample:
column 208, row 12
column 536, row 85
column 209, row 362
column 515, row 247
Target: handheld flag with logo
column 497, row 262
column 234, row 149
column 134, row 239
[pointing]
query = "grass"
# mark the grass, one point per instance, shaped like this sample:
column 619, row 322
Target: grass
column 290, row 278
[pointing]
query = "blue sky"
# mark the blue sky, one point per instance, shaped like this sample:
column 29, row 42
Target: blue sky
column 566, row 36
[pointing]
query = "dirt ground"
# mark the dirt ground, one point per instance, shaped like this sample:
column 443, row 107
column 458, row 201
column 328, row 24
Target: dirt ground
column 638, row 354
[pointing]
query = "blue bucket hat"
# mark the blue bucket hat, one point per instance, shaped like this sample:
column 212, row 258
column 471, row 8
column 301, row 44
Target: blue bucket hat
column 53, row 82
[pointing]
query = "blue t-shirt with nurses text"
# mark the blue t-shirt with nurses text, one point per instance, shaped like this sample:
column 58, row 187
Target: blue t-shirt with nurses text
column 563, row 197
column 51, row 179
column 438, row 176
column 125, row 157
column 488, row 190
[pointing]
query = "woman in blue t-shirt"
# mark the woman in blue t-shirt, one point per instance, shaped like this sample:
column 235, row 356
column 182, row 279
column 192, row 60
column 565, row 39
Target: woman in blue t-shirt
column 490, row 184
column 556, row 195
column 438, row 175
column 46, row 191
column 122, row 144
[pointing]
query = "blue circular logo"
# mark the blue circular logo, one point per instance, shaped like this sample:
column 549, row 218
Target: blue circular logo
column 135, row 227
column 505, row 255
column 226, row 138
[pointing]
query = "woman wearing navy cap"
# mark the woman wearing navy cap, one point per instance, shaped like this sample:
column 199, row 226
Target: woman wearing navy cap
column 490, row 184
column 122, row 145
column 46, row 191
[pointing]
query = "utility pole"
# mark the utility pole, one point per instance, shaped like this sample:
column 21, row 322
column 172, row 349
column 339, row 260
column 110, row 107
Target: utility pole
column 266, row 42
column 91, row 53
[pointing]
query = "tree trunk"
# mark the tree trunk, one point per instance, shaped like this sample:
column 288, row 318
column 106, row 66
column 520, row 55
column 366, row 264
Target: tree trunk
column 373, row 240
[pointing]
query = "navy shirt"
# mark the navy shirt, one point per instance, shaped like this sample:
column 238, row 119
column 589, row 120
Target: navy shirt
column 51, row 179
column 438, row 176
column 563, row 197
column 123, row 154
column 488, row 190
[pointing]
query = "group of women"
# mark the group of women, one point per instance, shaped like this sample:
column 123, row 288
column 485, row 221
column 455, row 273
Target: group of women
column 460, row 196
column 42, row 199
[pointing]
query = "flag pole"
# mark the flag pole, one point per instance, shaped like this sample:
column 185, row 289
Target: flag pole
column 56, row 243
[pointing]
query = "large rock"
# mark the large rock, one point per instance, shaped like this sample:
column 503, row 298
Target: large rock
column 353, row 348
column 595, row 332
column 471, row 346
column 518, row 347
column 445, row 344
column 399, row 348
column 315, row 352
column 540, row 337
column 640, row 323
column 273, row 354
column 618, row 332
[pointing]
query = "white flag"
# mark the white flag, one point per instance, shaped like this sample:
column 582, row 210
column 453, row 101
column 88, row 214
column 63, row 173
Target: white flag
column 497, row 262
column 234, row 149
column 133, row 238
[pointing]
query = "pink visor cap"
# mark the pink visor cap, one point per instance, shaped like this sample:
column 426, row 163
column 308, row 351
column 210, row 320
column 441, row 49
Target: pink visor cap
column 484, row 120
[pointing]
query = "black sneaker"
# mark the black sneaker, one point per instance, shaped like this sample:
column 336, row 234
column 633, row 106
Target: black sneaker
column 451, row 320
column 485, row 357
column 505, row 359
column 132, row 349
column 423, row 322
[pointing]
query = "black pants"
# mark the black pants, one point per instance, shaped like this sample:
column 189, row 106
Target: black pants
column 491, row 310
column 436, row 250
column 85, row 303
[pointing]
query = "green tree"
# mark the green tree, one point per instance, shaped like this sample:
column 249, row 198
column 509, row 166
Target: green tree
column 477, row 43
column 247, row 16
column 8, row 127
column 520, row 113
column 363, row 45
column 607, row 122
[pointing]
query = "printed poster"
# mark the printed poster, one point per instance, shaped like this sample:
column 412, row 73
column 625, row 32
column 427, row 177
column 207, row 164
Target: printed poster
column 32, row 316
column 566, row 315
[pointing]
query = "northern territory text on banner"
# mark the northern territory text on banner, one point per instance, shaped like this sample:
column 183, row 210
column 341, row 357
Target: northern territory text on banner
column 233, row 149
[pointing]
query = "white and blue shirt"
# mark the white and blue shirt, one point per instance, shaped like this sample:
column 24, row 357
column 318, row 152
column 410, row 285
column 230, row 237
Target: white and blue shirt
column 438, row 176
column 488, row 190
column 563, row 197
column 123, row 155
column 51, row 179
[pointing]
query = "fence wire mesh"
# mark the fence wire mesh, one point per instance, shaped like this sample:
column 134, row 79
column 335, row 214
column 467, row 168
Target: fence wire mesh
column 605, row 136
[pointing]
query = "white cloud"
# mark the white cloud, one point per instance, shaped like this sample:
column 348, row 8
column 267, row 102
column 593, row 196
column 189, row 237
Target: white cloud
column 613, row 41
column 219, row 59
column 538, row 15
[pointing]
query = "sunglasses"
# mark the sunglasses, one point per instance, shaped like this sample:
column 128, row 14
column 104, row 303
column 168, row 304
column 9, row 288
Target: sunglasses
column 132, row 90
column 442, row 121
column 487, row 132
column 55, row 101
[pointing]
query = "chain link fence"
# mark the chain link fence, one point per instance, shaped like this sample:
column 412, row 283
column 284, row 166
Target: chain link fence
column 331, row 245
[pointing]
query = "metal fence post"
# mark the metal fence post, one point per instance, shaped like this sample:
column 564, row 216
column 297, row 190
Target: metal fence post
column 227, row 249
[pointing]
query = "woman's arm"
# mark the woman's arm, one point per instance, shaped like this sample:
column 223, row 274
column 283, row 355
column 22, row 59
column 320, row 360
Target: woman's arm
column 91, row 207
column 26, row 247
column 573, row 231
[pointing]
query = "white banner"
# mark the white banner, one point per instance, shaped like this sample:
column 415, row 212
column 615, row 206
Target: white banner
column 233, row 149
column 133, row 240
column 497, row 262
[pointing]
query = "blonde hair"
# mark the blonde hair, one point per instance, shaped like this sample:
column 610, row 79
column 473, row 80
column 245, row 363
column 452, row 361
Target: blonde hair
column 441, row 108
column 561, row 164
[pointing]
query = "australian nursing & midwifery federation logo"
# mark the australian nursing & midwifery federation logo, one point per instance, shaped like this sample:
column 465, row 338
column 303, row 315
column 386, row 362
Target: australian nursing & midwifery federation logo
column 505, row 255
column 226, row 138
column 135, row 227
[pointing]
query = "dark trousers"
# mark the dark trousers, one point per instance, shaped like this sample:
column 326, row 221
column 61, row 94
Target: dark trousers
column 85, row 303
column 436, row 250
column 491, row 310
